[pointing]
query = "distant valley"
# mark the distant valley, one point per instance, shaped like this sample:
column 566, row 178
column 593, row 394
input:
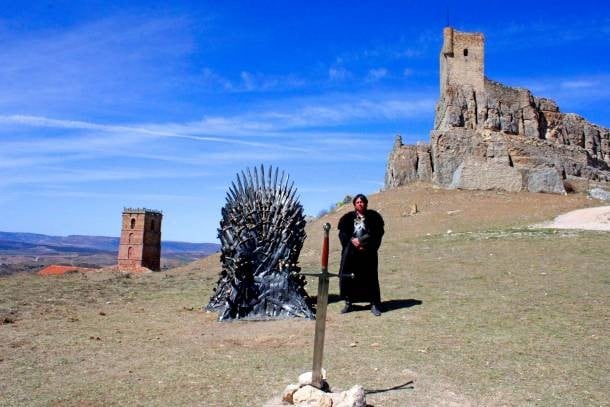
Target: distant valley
column 31, row 251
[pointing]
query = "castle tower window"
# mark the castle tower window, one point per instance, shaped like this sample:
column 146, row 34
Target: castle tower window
column 152, row 225
column 130, row 240
column 133, row 223
column 465, row 52
column 130, row 252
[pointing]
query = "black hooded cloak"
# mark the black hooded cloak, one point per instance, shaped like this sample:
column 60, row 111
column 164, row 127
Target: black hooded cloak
column 364, row 286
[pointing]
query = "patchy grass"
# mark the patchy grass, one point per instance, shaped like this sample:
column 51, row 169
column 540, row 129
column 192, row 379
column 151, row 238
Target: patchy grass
column 493, row 313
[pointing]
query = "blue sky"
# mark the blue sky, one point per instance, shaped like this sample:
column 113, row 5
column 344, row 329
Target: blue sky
column 143, row 104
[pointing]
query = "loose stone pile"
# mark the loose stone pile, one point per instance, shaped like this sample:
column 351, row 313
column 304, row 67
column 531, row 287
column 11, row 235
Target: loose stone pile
column 303, row 394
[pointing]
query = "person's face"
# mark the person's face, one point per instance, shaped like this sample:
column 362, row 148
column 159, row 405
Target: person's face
column 359, row 205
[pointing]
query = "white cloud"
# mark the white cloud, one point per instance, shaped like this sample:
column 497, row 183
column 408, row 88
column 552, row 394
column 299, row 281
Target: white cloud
column 213, row 80
column 250, row 82
column 578, row 84
column 515, row 35
column 247, row 80
column 377, row 74
column 65, row 68
column 50, row 175
column 406, row 47
column 37, row 151
column 281, row 117
column 133, row 197
column 338, row 74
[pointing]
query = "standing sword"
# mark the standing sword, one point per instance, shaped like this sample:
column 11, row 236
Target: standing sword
column 321, row 305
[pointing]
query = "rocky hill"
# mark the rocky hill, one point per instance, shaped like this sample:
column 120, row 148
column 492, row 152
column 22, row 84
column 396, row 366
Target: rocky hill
column 490, row 136
column 439, row 210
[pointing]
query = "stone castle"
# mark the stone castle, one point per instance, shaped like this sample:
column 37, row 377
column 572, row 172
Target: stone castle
column 490, row 136
column 140, row 244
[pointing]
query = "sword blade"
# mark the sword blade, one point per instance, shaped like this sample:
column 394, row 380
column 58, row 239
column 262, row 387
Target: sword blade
column 322, row 303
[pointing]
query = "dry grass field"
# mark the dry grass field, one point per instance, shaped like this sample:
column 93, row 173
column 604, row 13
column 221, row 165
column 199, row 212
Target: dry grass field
column 492, row 313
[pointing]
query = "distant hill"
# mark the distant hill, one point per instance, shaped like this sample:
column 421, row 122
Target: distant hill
column 32, row 251
column 97, row 243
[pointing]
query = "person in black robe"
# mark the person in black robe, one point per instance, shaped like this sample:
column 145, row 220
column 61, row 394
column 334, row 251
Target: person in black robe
column 360, row 232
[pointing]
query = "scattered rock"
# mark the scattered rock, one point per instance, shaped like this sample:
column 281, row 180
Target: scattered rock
column 354, row 397
column 307, row 394
column 288, row 393
column 413, row 210
column 305, row 378
column 325, row 401
column 8, row 320
column 600, row 194
column 545, row 180
column 102, row 313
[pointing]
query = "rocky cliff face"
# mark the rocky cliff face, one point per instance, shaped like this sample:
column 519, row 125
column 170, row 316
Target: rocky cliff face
column 408, row 163
column 497, row 137
column 517, row 112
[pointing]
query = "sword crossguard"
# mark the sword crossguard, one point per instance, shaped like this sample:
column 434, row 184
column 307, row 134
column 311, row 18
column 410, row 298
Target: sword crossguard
column 325, row 273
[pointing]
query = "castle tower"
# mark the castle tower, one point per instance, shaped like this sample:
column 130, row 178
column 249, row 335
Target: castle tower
column 462, row 60
column 140, row 244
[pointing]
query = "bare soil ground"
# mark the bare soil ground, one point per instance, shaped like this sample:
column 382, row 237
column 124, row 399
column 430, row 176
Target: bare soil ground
column 480, row 310
column 587, row 219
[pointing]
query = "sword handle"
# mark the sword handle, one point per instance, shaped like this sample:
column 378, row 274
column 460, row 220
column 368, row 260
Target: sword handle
column 324, row 260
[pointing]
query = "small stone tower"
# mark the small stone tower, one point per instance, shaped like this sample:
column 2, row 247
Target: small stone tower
column 462, row 60
column 140, row 245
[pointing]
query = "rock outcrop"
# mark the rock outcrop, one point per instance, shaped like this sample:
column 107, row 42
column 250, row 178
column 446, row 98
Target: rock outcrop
column 490, row 136
column 408, row 163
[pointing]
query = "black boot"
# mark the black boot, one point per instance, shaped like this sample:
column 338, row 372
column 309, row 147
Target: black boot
column 347, row 308
column 375, row 309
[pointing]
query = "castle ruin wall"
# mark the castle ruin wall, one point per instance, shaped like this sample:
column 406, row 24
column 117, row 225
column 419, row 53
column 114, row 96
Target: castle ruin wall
column 490, row 136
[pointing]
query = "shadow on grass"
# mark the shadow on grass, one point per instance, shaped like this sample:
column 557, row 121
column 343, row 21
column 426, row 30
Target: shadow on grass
column 405, row 386
column 393, row 305
column 386, row 306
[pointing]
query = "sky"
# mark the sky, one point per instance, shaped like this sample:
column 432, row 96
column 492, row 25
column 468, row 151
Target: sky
column 106, row 105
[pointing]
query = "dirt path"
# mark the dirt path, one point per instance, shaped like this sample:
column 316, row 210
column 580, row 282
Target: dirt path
column 589, row 218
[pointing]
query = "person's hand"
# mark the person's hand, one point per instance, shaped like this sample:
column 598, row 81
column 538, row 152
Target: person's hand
column 356, row 243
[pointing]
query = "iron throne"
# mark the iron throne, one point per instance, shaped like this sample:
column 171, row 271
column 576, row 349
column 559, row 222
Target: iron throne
column 261, row 234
